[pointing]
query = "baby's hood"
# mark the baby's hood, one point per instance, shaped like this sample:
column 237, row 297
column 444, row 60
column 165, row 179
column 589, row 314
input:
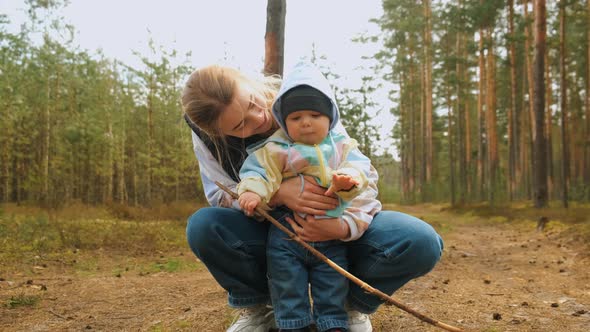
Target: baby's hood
column 305, row 73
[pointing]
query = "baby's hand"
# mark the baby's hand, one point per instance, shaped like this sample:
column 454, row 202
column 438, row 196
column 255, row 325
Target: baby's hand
column 248, row 202
column 341, row 182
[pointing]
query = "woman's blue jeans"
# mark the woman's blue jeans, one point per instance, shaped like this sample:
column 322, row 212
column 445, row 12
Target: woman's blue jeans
column 395, row 249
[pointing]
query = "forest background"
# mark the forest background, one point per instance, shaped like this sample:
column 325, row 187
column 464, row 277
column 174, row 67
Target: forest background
column 82, row 128
column 491, row 101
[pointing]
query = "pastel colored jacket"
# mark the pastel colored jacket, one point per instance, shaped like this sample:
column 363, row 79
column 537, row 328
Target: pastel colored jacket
column 279, row 158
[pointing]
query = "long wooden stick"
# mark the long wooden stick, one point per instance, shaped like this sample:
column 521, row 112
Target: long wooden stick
column 388, row 299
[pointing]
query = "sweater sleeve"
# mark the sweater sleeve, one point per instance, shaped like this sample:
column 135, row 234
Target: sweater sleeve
column 363, row 202
column 359, row 214
column 352, row 165
column 261, row 172
column 211, row 171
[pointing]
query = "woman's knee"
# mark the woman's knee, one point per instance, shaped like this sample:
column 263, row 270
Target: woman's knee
column 427, row 248
column 212, row 229
column 199, row 229
column 409, row 241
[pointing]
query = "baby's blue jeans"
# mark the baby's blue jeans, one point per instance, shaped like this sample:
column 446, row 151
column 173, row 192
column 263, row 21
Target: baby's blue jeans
column 291, row 267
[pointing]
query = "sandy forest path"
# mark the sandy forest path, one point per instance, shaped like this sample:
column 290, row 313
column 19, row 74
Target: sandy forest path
column 492, row 277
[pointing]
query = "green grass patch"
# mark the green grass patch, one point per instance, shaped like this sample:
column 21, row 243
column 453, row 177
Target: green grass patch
column 171, row 265
column 158, row 327
column 168, row 266
column 28, row 232
column 22, row 300
column 492, row 329
column 524, row 210
column 174, row 265
column 230, row 317
column 430, row 213
column 182, row 325
column 24, row 235
column 87, row 267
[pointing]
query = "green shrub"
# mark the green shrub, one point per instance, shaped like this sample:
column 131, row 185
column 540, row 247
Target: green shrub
column 22, row 300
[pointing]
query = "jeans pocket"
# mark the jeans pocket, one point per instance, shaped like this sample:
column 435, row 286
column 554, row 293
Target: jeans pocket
column 280, row 213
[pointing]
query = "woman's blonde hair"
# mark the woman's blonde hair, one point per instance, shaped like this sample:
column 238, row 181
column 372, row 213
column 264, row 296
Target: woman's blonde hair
column 209, row 90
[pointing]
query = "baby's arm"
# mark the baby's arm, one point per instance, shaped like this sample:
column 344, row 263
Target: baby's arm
column 349, row 179
column 249, row 201
column 261, row 176
column 363, row 204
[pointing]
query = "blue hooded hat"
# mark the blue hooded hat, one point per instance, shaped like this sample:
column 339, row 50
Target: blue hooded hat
column 304, row 97
column 305, row 87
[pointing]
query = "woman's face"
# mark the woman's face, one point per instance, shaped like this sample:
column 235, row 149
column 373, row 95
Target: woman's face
column 246, row 115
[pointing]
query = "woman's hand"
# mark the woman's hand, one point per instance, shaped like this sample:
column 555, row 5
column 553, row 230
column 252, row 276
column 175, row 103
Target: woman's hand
column 310, row 229
column 309, row 201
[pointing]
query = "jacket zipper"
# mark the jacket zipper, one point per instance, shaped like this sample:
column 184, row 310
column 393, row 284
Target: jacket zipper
column 323, row 177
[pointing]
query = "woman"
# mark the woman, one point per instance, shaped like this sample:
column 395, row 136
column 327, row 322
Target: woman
column 228, row 111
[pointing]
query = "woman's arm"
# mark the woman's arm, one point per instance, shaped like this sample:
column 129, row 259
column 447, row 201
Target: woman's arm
column 308, row 198
column 304, row 197
column 311, row 229
column 211, row 171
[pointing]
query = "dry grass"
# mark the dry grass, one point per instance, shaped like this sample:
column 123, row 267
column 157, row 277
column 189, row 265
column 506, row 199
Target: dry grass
column 571, row 224
column 29, row 231
column 75, row 211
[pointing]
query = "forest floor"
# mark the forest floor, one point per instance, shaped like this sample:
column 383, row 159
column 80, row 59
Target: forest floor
column 496, row 274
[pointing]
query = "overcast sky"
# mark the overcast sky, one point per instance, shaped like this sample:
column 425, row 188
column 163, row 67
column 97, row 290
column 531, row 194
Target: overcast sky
column 225, row 31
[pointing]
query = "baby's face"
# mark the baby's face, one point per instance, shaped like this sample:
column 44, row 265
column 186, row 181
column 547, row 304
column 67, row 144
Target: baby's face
column 307, row 126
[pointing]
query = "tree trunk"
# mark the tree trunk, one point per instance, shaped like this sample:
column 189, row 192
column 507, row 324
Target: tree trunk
column 466, row 123
column 563, row 91
column 548, row 125
column 480, row 118
column 18, row 178
column 524, row 136
column 150, row 143
column 491, row 120
column 135, row 180
column 87, row 173
column 413, row 146
column 575, row 128
column 406, row 139
column 120, row 186
column 460, row 118
column 428, row 89
column 46, row 136
column 6, row 142
column 531, row 83
column 540, row 170
column 52, row 148
column 586, row 141
column 110, row 156
column 5, row 170
column 422, row 135
column 512, row 109
column 451, row 146
column 404, row 151
column 274, row 39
